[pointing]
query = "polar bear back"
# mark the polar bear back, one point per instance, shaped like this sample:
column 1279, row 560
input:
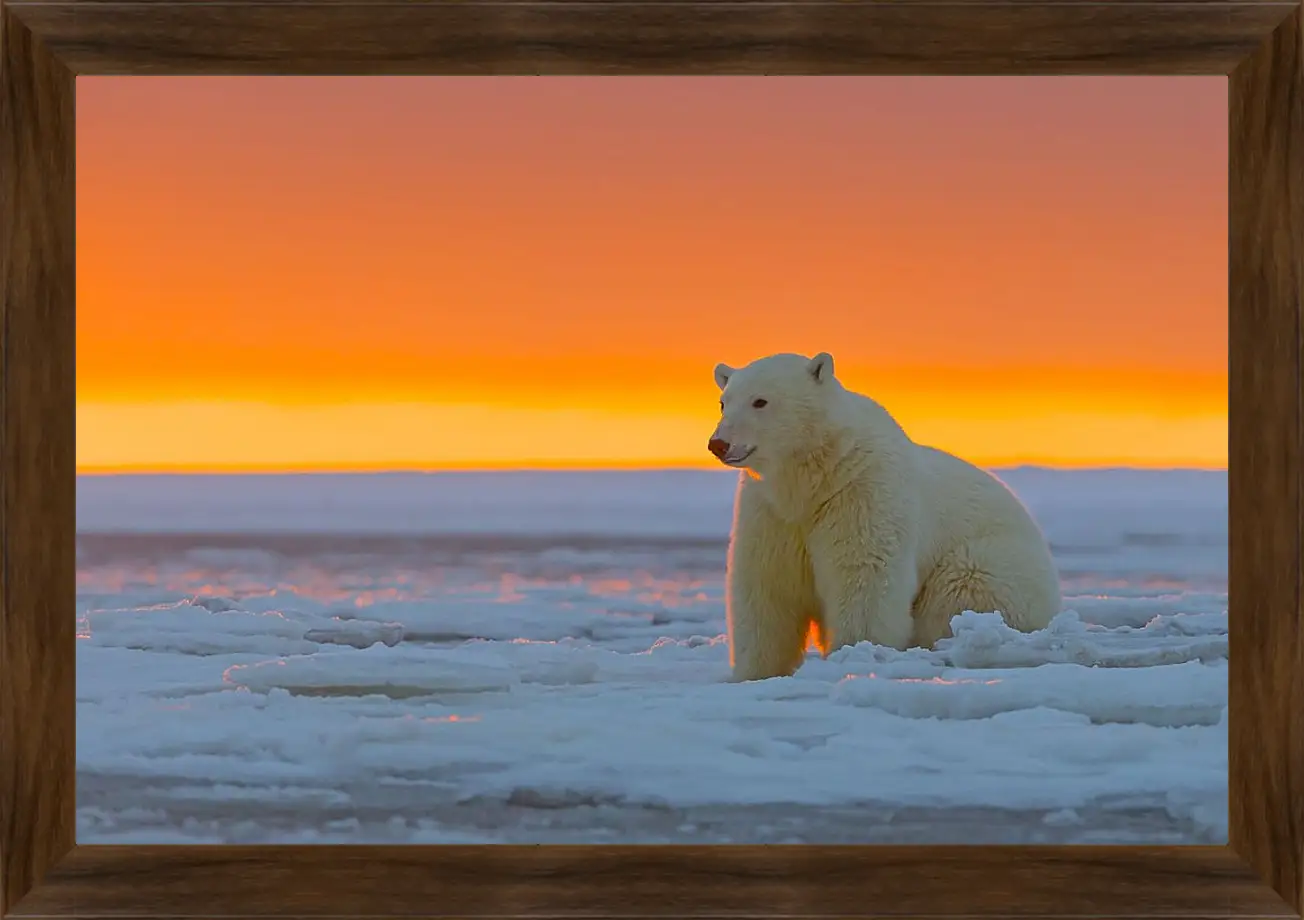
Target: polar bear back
column 963, row 502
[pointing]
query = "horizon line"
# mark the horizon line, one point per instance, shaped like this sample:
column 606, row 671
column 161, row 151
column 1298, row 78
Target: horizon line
column 572, row 467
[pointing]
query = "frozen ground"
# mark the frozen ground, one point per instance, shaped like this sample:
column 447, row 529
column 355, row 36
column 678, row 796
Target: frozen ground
column 539, row 658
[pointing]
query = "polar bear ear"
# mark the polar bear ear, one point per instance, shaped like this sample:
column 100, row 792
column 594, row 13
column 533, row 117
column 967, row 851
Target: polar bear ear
column 722, row 374
column 821, row 367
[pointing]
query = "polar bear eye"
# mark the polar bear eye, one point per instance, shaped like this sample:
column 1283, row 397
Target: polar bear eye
column 758, row 403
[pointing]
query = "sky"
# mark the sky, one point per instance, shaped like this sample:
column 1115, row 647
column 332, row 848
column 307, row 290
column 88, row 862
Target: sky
column 280, row 273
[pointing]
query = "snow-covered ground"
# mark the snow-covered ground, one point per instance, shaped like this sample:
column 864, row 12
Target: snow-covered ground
column 538, row 657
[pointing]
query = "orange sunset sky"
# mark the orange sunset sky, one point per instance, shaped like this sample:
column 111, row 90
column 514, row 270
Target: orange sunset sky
column 327, row 273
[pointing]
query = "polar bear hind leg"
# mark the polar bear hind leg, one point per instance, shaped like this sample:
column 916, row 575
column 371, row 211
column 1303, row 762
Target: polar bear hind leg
column 986, row 575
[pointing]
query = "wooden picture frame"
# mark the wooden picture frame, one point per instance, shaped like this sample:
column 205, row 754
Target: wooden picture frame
column 45, row 45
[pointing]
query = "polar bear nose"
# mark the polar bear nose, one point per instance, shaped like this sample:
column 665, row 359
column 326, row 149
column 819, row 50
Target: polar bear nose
column 718, row 447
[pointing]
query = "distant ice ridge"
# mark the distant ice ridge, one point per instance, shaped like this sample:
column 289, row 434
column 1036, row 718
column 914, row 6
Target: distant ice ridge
column 644, row 503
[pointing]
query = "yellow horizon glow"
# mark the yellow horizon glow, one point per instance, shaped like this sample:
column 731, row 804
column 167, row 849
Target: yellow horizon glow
column 253, row 437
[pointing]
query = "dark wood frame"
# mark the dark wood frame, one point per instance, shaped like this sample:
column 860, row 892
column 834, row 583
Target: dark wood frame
column 44, row 45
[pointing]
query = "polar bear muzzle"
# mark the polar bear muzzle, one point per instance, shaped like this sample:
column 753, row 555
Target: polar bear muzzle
column 728, row 454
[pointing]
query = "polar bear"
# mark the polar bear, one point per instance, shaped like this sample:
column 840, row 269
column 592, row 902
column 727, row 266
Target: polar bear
column 845, row 528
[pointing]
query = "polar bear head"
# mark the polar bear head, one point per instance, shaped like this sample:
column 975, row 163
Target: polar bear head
column 771, row 410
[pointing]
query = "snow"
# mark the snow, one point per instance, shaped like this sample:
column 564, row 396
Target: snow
column 539, row 657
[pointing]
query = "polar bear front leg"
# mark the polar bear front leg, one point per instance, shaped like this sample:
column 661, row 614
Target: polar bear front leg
column 865, row 577
column 770, row 591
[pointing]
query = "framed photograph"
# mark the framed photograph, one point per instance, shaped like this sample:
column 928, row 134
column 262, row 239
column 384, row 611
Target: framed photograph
column 784, row 460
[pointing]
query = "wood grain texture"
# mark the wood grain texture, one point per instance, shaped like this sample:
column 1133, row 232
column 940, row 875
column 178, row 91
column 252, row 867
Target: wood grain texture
column 1266, row 468
column 660, row 881
column 1285, row 4
column 619, row 37
column 42, row 44
column 37, row 575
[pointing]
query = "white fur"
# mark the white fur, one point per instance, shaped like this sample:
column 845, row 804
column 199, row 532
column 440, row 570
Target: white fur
column 844, row 525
